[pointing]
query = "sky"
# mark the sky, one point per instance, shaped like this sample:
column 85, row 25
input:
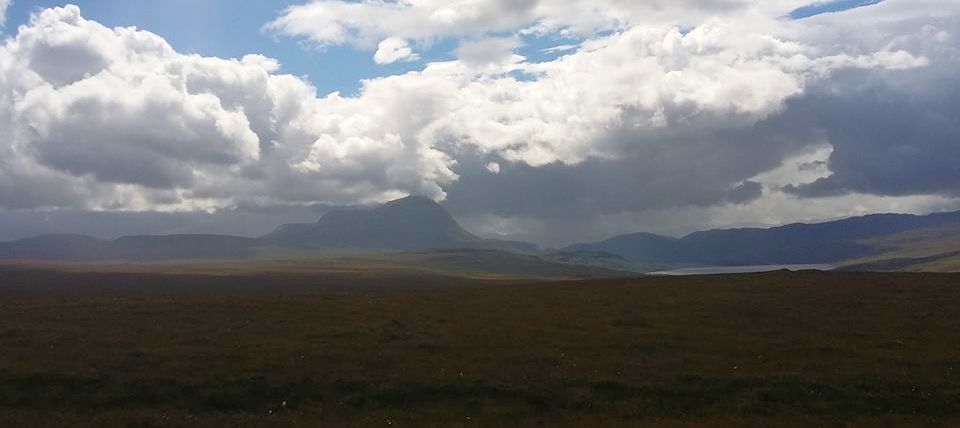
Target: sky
column 552, row 121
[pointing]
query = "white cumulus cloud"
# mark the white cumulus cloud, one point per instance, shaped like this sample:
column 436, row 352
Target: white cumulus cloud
column 392, row 50
column 686, row 103
column 102, row 118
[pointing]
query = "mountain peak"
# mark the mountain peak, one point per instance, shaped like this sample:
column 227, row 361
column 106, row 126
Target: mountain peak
column 413, row 222
column 414, row 203
column 413, row 199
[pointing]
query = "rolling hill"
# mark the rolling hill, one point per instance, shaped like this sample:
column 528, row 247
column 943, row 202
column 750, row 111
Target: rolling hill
column 831, row 242
column 927, row 249
column 416, row 225
column 412, row 223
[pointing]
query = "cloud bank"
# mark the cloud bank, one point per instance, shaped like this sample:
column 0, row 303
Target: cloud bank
column 659, row 107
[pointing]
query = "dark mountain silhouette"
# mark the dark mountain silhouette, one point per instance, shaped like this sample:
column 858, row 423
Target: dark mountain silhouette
column 55, row 247
column 412, row 223
column 635, row 246
column 416, row 223
column 406, row 224
column 792, row 244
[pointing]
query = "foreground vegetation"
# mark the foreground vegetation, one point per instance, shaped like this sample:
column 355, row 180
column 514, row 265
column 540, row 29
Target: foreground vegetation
column 140, row 349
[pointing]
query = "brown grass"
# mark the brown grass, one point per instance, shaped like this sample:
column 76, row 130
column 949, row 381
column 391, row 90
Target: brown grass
column 781, row 349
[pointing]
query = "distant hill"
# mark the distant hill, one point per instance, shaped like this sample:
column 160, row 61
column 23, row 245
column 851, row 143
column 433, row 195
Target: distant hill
column 411, row 223
column 56, row 247
column 829, row 242
column 420, row 226
column 645, row 247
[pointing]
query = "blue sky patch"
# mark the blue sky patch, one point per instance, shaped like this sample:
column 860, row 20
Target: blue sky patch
column 232, row 29
column 830, row 7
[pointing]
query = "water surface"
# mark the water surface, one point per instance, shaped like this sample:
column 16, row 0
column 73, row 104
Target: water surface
column 714, row 270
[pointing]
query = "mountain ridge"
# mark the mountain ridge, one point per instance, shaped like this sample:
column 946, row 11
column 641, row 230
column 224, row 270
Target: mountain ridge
column 796, row 243
column 416, row 223
column 411, row 223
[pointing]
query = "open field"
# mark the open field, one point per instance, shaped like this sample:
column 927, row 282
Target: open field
column 117, row 347
column 465, row 263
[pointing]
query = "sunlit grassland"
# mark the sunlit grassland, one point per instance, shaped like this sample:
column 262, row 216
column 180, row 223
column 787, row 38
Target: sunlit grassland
column 933, row 249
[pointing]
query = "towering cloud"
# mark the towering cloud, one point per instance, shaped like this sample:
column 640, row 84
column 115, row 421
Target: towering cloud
column 101, row 118
column 658, row 107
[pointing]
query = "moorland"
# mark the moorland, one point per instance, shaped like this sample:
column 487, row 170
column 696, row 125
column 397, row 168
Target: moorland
column 247, row 345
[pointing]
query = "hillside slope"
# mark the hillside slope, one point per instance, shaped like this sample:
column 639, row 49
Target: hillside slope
column 928, row 249
column 829, row 242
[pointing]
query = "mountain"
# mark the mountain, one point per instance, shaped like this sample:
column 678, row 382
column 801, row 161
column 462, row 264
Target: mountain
column 874, row 242
column 411, row 223
column 645, row 247
column 800, row 243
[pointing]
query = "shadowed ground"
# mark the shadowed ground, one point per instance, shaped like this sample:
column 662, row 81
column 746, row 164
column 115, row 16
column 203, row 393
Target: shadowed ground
column 93, row 348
